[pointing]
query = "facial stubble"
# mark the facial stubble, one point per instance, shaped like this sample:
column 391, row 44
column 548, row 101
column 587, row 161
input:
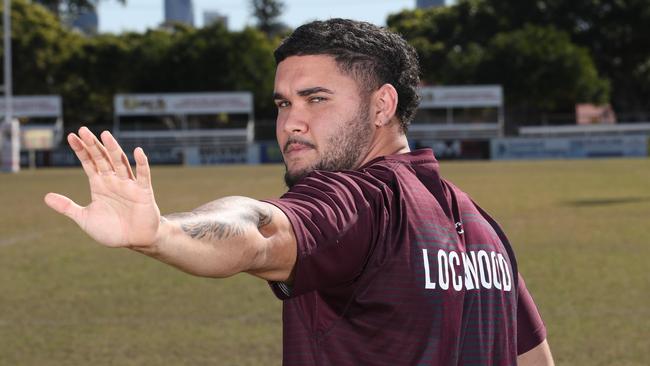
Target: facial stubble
column 344, row 147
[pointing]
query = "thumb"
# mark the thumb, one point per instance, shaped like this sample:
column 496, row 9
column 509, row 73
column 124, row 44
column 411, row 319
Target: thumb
column 64, row 205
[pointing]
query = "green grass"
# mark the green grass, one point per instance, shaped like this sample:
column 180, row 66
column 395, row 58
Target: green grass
column 581, row 230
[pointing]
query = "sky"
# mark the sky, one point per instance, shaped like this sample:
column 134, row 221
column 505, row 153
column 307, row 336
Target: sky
column 139, row 15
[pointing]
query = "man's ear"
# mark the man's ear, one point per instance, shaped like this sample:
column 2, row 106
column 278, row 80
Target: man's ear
column 385, row 101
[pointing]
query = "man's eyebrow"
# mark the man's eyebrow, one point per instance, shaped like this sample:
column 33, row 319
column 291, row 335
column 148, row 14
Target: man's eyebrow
column 304, row 92
column 314, row 90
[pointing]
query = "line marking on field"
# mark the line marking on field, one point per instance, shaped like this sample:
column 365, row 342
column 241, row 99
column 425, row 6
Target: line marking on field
column 19, row 238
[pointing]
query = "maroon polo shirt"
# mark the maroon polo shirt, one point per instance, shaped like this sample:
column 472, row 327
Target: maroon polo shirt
column 396, row 266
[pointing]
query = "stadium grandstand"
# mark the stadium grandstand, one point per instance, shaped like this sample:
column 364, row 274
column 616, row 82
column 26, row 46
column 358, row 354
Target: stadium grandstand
column 187, row 128
column 458, row 121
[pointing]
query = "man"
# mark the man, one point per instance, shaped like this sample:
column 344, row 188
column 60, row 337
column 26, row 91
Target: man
column 379, row 261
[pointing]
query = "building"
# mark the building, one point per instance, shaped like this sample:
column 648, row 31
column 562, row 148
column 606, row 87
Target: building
column 211, row 17
column 86, row 22
column 179, row 11
column 421, row 4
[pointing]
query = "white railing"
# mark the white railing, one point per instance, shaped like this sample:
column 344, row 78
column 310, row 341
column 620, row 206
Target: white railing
column 182, row 138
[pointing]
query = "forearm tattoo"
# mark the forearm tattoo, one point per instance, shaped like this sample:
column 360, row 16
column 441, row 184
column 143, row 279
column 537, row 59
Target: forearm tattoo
column 223, row 219
column 209, row 230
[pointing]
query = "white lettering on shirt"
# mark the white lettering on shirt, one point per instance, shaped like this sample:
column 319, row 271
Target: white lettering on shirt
column 481, row 269
column 427, row 275
column 443, row 270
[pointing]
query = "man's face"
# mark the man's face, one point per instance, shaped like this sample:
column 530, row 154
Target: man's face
column 323, row 120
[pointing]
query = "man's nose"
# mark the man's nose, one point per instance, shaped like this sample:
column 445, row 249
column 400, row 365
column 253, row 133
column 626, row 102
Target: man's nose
column 296, row 121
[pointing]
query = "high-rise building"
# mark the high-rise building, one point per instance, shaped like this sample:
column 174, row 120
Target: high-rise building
column 212, row 17
column 429, row 3
column 179, row 11
column 87, row 21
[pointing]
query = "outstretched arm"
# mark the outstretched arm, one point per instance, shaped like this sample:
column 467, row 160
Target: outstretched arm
column 219, row 239
column 226, row 237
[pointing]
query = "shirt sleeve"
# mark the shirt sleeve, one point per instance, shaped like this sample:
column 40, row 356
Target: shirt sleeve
column 337, row 218
column 530, row 327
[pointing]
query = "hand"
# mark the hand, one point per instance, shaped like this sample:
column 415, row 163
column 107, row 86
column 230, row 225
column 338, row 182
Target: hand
column 122, row 211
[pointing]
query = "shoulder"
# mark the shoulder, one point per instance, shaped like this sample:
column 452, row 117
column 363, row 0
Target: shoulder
column 367, row 181
column 379, row 181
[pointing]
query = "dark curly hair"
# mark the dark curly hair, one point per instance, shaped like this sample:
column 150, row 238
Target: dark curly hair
column 373, row 56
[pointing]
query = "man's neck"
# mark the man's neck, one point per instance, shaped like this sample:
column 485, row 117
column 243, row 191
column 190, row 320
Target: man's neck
column 389, row 140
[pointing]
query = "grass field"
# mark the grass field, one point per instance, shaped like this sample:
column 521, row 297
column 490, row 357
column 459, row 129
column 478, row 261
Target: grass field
column 581, row 230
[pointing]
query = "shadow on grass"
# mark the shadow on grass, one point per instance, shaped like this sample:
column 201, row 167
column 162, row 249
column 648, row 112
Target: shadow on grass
column 606, row 201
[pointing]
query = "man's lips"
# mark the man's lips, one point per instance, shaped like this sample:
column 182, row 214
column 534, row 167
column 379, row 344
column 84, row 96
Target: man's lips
column 297, row 147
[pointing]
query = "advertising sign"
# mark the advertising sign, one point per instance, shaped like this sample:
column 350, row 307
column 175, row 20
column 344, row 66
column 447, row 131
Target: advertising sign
column 569, row 148
column 183, row 104
column 37, row 138
column 35, row 106
column 461, row 96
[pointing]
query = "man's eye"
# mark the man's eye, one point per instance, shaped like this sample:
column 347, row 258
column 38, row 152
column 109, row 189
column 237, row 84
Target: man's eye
column 317, row 99
column 282, row 104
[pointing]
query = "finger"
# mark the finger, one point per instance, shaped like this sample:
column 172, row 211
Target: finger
column 121, row 162
column 64, row 205
column 142, row 168
column 97, row 151
column 81, row 151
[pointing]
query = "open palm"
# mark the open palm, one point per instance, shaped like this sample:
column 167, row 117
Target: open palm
column 122, row 211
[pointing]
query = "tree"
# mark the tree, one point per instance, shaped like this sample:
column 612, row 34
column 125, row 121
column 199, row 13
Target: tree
column 181, row 59
column 40, row 48
column 613, row 31
column 541, row 72
column 542, row 69
column 100, row 68
column 267, row 14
